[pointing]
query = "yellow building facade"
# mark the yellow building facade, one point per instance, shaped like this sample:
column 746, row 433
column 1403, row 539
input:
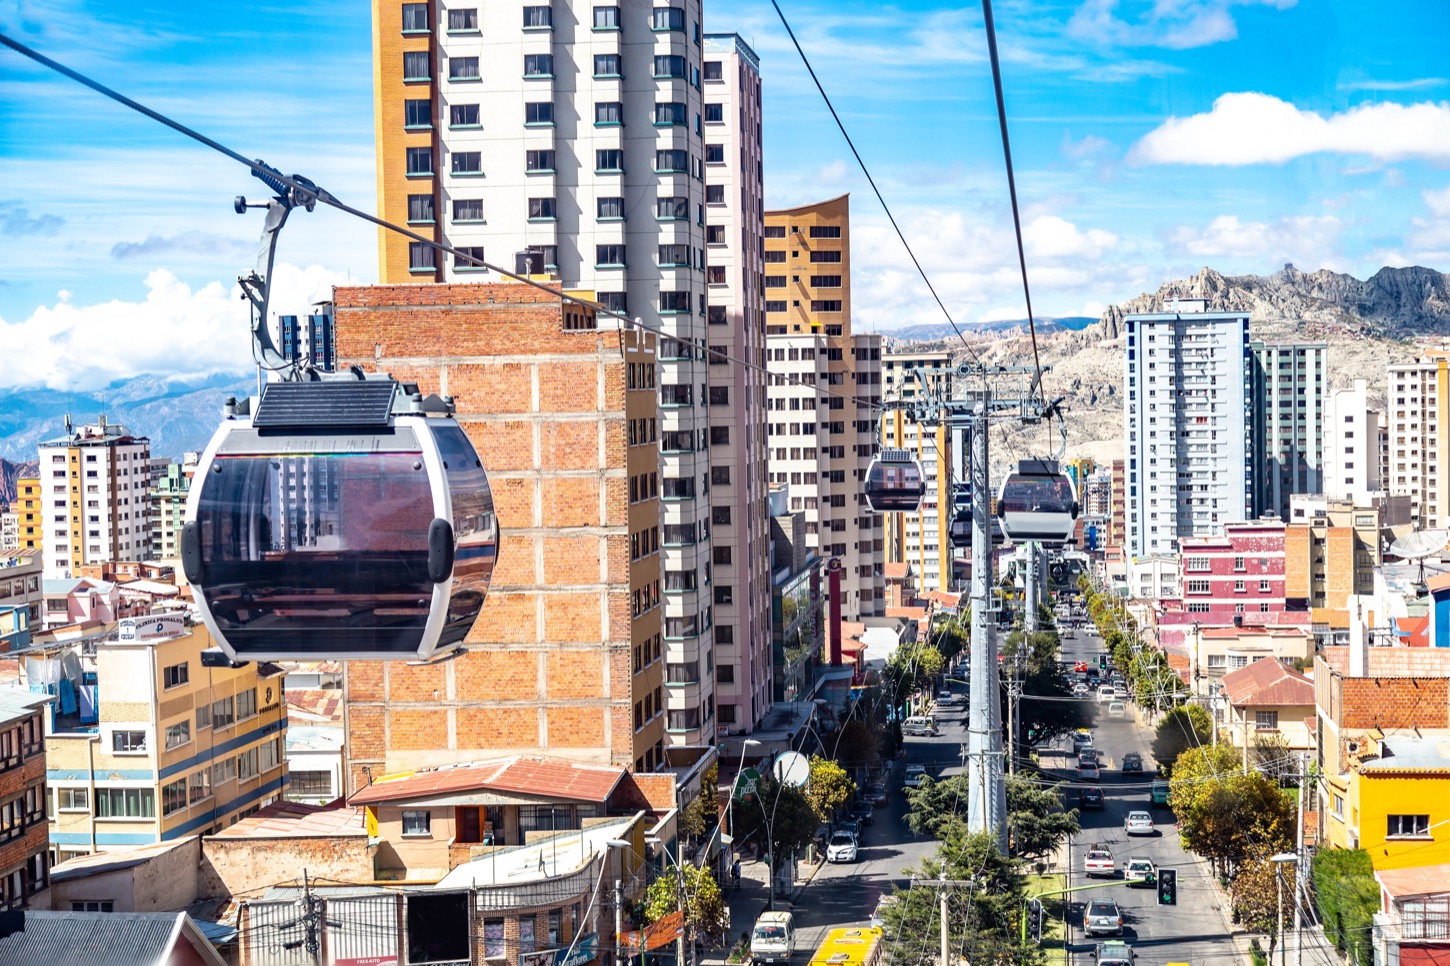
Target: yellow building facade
column 177, row 748
column 1392, row 804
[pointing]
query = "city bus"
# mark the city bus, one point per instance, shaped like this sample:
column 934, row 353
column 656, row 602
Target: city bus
column 854, row 946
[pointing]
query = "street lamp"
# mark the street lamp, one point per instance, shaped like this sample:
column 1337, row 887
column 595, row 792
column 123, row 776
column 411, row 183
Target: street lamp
column 1278, row 861
column 619, row 897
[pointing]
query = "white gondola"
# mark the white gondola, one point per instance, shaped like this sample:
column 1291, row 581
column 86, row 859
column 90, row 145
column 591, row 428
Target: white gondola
column 1038, row 502
column 894, row 482
column 345, row 519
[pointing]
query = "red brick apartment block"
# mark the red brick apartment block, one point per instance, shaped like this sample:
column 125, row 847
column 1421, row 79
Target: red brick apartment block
column 566, row 658
column 24, row 832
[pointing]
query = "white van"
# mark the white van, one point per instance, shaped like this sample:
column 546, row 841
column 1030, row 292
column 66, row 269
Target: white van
column 773, row 940
column 920, row 725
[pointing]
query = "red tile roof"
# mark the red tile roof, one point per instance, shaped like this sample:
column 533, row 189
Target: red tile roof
column 553, row 778
column 896, row 570
column 296, row 819
column 943, row 598
column 910, row 613
column 323, row 703
column 1421, row 881
column 1268, row 681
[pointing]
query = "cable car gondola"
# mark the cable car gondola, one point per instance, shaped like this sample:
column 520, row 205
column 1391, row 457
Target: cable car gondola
column 1038, row 502
column 894, row 482
column 347, row 519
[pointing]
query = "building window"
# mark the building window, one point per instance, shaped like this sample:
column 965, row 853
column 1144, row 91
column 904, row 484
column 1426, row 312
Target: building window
column 608, row 112
column 467, row 210
column 541, row 209
column 247, row 764
column 310, row 784
column 685, row 719
column 669, row 18
column 538, row 65
column 178, row 734
column 418, row 114
column 1266, row 721
column 107, row 905
column 715, row 235
column 223, row 712
column 175, row 675
column 415, row 20
column 415, row 65
column 714, row 113
column 246, row 704
column 417, row 823
column 538, row 160
column 614, row 302
column 670, row 114
column 610, row 160
column 125, row 803
column 539, row 113
column 674, row 302
column 420, row 209
column 72, row 800
column 419, row 162
column 463, row 115
column 128, row 742
column 714, row 70
column 609, row 208
column 462, row 69
column 536, row 18
column 825, row 231
column 461, row 21
column 198, row 786
column 606, row 18
column 466, row 162
column 1407, row 826
column 672, row 209
column 1196, row 586
column 223, row 771
column 669, row 65
column 672, row 160
column 714, row 154
column 469, row 258
column 173, row 796
column 606, row 65
column 609, row 255
column 825, row 256
column 715, row 275
column 1336, row 804
column 494, row 946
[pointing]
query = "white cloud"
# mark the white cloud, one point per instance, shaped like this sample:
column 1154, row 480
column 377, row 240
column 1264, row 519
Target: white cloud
column 1175, row 24
column 1254, row 128
column 1414, row 84
column 1305, row 240
column 1438, row 202
column 176, row 332
column 1048, row 236
column 1090, row 147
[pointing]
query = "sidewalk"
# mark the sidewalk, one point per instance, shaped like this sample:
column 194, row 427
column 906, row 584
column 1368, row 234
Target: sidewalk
column 749, row 901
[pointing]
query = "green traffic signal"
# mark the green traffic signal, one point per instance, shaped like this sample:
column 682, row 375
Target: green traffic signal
column 1167, row 887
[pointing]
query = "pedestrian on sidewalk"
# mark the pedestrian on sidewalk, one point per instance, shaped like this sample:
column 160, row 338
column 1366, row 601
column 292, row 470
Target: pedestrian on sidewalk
column 735, row 873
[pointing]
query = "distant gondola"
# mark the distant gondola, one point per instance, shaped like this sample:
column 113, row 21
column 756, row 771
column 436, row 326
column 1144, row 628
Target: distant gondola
column 1038, row 502
column 895, row 482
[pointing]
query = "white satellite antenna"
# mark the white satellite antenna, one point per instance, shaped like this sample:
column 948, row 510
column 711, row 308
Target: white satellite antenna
column 792, row 769
column 1417, row 546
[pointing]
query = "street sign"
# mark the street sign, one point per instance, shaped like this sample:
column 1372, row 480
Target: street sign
column 746, row 783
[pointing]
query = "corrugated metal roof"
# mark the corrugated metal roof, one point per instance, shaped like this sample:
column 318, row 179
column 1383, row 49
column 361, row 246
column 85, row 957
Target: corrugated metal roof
column 113, row 861
column 116, row 939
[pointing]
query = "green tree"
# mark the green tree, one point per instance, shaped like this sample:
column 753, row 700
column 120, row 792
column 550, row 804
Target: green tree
column 985, row 919
column 1348, row 896
column 703, row 811
column 857, row 743
column 706, row 912
column 829, row 788
column 1225, row 815
column 1180, row 729
column 933, row 805
column 1044, row 713
column 1254, row 896
column 1036, row 821
column 778, row 816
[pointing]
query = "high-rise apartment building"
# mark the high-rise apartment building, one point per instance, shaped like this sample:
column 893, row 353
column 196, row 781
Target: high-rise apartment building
column 735, row 324
column 824, row 395
column 309, row 340
column 1419, row 439
column 922, row 538
column 29, row 513
column 1188, row 424
column 94, row 485
column 1354, row 434
column 575, row 130
column 1287, row 404
column 168, row 508
column 567, row 658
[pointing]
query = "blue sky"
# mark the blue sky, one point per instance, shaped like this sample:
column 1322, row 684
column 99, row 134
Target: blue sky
column 1151, row 138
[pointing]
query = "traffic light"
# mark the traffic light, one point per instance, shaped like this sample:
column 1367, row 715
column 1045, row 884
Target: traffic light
column 1167, row 887
column 1036, row 914
column 1103, row 661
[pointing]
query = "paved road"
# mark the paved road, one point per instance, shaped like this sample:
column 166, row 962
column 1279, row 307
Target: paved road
column 1193, row 930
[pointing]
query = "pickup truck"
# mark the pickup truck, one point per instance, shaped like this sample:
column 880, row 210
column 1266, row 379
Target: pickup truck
column 1099, row 862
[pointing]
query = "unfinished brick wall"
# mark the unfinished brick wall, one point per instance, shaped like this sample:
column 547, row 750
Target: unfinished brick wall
column 1396, row 702
column 550, row 666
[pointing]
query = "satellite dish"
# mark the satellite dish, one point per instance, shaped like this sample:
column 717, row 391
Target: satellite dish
column 1420, row 544
column 792, row 769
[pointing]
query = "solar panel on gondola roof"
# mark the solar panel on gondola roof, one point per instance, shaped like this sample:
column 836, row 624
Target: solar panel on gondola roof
column 311, row 404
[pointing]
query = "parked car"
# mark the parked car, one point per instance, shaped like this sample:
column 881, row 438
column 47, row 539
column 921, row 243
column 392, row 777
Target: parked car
column 1099, row 862
column 1138, row 823
column 1090, row 797
column 1102, row 918
column 876, row 793
column 948, row 699
column 878, row 915
column 842, row 848
column 920, row 725
column 1132, row 763
column 1141, row 871
column 1087, row 769
column 914, row 776
column 861, row 811
column 1114, row 953
column 848, row 825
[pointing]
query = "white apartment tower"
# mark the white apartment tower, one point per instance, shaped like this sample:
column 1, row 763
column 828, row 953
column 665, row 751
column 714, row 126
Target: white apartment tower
column 1352, row 463
column 95, row 483
column 1288, row 410
column 922, row 538
column 735, row 328
column 824, row 395
column 1419, row 439
column 1188, row 425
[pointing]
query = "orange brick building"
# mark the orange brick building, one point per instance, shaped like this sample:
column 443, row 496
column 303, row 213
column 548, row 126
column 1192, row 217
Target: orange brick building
column 24, row 854
column 566, row 657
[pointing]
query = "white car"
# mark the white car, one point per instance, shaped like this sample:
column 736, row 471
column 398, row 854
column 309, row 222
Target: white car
column 842, row 848
column 1117, row 709
column 1080, row 690
column 914, row 776
column 1138, row 823
column 1087, row 770
column 1141, row 870
column 1107, row 693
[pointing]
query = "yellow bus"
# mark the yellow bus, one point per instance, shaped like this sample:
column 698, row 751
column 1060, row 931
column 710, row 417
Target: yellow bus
column 855, row 946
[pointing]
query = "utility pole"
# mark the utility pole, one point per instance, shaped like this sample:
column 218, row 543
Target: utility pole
column 942, row 885
column 1029, row 603
column 1300, row 891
